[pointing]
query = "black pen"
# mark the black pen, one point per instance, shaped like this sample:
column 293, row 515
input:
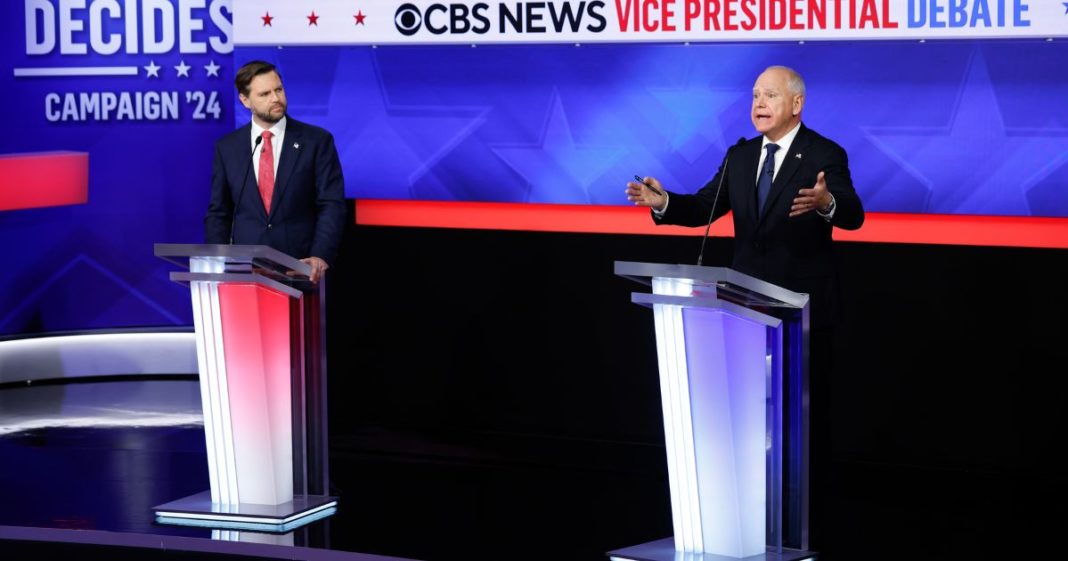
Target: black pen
column 651, row 188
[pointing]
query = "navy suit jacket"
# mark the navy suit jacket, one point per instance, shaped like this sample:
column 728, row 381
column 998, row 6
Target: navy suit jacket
column 795, row 253
column 307, row 208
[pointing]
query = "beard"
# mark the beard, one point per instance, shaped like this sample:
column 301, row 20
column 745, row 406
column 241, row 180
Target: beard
column 268, row 117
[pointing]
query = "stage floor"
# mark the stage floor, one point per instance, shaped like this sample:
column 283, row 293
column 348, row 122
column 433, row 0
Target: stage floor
column 87, row 461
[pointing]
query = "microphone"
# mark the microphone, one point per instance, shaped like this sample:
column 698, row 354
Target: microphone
column 241, row 191
column 715, row 200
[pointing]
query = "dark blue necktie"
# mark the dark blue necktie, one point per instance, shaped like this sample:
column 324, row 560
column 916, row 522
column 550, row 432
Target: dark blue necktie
column 767, row 173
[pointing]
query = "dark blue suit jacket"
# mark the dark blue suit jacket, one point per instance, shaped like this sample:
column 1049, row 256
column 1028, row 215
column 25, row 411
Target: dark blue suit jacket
column 308, row 206
column 795, row 253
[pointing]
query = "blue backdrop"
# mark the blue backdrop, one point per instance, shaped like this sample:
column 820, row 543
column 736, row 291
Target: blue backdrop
column 92, row 266
column 937, row 127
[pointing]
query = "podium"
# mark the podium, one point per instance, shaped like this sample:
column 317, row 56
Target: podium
column 261, row 353
column 732, row 352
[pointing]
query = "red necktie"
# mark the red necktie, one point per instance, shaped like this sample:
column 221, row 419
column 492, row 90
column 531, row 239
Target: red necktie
column 266, row 178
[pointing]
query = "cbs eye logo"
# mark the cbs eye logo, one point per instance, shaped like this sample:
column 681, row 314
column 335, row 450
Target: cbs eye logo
column 408, row 19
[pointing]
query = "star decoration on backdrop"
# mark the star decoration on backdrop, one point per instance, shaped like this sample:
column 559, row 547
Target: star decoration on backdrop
column 360, row 17
column 558, row 169
column 267, row 19
column 212, row 68
column 79, row 272
column 1065, row 7
column 313, row 19
column 948, row 160
column 402, row 144
column 152, row 70
column 696, row 108
column 183, row 69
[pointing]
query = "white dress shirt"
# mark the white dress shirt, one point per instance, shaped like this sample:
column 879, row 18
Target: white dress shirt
column 279, row 132
column 780, row 156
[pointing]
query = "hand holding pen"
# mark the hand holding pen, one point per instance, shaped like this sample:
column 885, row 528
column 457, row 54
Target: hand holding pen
column 646, row 192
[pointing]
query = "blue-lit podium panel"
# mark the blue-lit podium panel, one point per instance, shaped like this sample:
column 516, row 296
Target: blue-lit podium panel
column 732, row 355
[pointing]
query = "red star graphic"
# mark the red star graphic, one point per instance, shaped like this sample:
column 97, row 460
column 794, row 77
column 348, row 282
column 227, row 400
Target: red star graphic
column 359, row 17
column 267, row 19
column 313, row 19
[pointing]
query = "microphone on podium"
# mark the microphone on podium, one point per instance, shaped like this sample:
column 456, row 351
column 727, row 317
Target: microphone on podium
column 241, row 191
column 715, row 200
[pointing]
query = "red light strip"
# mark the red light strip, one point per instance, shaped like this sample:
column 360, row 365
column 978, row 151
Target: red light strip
column 1009, row 231
column 44, row 179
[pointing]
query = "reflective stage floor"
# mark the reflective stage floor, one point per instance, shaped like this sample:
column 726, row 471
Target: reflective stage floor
column 84, row 463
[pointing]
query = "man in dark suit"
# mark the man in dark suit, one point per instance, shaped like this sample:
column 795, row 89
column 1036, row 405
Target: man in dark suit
column 276, row 181
column 785, row 238
column 788, row 188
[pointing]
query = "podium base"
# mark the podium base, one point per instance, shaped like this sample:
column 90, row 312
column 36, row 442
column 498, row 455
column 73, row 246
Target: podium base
column 198, row 510
column 664, row 550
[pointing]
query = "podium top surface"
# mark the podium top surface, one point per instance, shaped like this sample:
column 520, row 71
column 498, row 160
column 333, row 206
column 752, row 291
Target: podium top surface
column 726, row 284
column 242, row 259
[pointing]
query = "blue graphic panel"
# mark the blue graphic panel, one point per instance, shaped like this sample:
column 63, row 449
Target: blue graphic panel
column 944, row 128
column 149, row 133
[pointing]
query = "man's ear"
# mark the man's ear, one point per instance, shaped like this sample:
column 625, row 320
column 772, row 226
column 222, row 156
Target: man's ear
column 244, row 100
column 799, row 102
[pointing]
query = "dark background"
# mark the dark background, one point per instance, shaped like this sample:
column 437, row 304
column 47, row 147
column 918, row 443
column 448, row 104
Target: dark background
column 494, row 394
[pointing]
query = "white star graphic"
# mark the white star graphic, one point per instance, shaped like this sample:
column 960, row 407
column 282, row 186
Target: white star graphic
column 183, row 69
column 152, row 70
column 212, row 68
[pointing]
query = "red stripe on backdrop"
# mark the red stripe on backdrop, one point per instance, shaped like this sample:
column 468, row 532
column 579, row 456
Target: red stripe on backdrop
column 1010, row 231
column 44, row 179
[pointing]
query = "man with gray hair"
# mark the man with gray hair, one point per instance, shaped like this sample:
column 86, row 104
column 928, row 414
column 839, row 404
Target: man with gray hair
column 788, row 188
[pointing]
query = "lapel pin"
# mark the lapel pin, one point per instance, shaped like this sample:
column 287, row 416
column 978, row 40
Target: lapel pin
column 296, row 146
column 798, row 155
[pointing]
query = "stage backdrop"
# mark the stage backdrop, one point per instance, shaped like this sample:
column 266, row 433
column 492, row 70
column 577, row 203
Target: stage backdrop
column 111, row 110
column 113, row 107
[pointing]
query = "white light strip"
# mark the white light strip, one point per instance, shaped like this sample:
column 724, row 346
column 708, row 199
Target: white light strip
column 677, row 375
column 205, row 361
column 254, row 526
column 76, row 71
column 670, row 421
column 675, row 399
column 217, row 433
column 63, row 357
column 112, row 419
column 250, row 519
column 691, row 499
column 222, row 403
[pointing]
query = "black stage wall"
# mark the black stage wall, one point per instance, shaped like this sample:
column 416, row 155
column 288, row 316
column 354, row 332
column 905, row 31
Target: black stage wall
column 494, row 395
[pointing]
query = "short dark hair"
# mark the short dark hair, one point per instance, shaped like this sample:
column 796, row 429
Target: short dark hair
column 249, row 71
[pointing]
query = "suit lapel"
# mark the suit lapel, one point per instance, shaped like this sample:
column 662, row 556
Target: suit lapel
column 287, row 161
column 789, row 168
column 747, row 208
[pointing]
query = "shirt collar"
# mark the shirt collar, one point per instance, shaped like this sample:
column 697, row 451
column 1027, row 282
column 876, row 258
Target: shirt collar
column 278, row 129
column 784, row 142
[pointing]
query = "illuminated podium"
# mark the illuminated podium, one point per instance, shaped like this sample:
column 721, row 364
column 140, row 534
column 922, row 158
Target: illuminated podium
column 261, row 354
column 733, row 358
